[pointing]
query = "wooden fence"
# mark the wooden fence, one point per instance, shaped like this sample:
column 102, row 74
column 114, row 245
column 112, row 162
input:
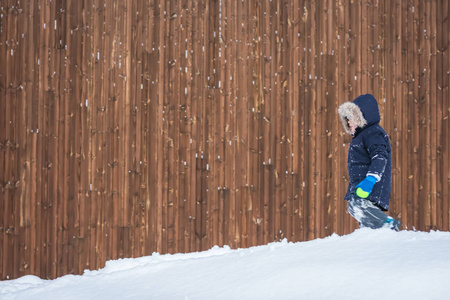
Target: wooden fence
column 133, row 127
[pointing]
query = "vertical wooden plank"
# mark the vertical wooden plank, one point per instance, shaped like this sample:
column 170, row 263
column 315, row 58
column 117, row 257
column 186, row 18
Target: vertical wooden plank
column 235, row 39
column 347, row 78
column 141, row 138
column 294, row 38
column 302, row 87
column 26, row 190
column 243, row 99
column 31, row 91
column 155, row 56
column 434, row 117
column 339, row 155
column 253, row 107
column 73, row 46
column 376, row 64
column 230, row 217
column 400, row 97
column 130, row 127
column 3, row 137
column 53, row 135
column 111, row 163
column 399, row 102
column 254, row 112
column 212, row 210
column 162, row 130
column 87, row 199
column 201, row 50
column 221, row 160
column 380, row 75
column 425, row 117
column 259, row 123
column 174, row 85
column 323, row 162
column 132, row 122
column 423, row 109
column 317, row 126
column 107, row 167
column 139, row 130
column 43, row 147
column 311, row 115
column 430, row 97
column 276, row 119
column 385, row 75
column 56, row 108
column 286, row 84
column 20, row 140
column 12, row 228
column 304, row 112
column 240, row 95
column 352, row 38
column 121, row 107
column 437, row 132
column 184, row 128
column 3, row 102
column 284, row 137
column 272, row 123
column 445, row 125
column 403, row 97
column 328, row 133
column 60, row 136
column 94, row 134
column 107, row 221
column 364, row 50
column 144, row 191
column 108, row 192
column 228, row 129
column 147, row 194
column 219, row 215
column 197, row 121
column 447, row 106
column 303, row 128
column 410, row 66
column 164, row 58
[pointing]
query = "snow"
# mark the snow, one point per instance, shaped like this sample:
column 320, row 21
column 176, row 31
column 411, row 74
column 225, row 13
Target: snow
column 366, row 264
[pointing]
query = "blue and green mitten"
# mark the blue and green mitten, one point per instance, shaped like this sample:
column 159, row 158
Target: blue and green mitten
column 364, row 188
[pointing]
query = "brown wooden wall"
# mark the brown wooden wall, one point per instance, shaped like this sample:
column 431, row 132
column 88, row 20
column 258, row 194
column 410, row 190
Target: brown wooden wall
column 133, row 127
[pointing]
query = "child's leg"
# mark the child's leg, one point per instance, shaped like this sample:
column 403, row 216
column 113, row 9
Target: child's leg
column 366, row 213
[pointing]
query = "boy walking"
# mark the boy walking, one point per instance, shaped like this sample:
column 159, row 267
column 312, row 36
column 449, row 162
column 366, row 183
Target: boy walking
column 369, row 164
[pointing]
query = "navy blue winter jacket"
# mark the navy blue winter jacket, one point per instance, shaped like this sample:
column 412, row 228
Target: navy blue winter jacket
column 370, row 150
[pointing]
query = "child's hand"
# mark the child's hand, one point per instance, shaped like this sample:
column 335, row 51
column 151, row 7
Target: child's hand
column 364, row 188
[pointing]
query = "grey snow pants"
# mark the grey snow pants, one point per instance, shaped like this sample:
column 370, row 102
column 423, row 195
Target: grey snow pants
column 366, row 213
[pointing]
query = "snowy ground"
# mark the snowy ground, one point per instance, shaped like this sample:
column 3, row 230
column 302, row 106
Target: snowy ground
column 367, row 264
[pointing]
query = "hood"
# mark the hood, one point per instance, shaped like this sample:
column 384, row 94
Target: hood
column 363, row 111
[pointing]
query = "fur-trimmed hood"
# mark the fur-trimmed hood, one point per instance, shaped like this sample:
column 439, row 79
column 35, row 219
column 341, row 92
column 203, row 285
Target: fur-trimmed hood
column 363, row 111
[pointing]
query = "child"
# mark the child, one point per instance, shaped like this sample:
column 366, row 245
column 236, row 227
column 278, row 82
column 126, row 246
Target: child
column 369, row 164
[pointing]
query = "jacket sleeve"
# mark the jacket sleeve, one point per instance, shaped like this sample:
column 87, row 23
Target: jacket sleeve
column 377, row 148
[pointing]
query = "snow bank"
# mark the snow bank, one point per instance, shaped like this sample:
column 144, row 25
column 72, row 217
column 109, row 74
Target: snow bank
column 367, row 264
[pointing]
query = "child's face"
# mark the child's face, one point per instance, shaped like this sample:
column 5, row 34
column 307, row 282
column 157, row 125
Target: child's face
column 352, row 126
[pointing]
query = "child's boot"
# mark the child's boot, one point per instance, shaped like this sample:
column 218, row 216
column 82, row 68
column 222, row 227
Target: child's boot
column 392, row 223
